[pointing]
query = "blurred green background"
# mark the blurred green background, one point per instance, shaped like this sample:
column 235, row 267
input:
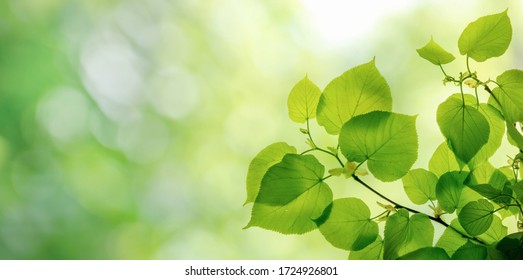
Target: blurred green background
column 126, row 126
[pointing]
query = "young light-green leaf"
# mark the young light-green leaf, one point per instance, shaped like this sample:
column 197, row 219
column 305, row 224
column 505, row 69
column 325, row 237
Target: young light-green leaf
column 495, row 233
column 372, row 252
column 487, row 37
column 360, row 90
column 476, row 217
column 346, row 224
column 303, row 101
column 387, row 141
column 266, row 158
column 465, row 128
column 448, row 190
column 435, row 53
column 404, row 234
column 451, row 240
column 510, row 94
column 292, row 195
column 420, row 185
column 444, row 160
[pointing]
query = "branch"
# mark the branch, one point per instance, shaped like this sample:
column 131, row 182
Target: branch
column 397, row 205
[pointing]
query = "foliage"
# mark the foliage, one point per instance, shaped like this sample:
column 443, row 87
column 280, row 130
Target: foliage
column 468, row 196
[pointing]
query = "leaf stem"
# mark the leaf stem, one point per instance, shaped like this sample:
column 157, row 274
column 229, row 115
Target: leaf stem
column 461, row 90
column 316, row 148
column 468, row 67
column 487, row 89
column 383, row 213
column 443, row 70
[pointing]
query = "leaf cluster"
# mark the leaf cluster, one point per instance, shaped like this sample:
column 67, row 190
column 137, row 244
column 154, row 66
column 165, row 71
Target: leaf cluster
column 468, row 195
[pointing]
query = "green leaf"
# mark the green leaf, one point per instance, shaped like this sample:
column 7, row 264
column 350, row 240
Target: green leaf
column 427, row 253
column 435, row 53
column 487, row 174
column 498, row 196
column 292, row 194
column 514, row 136
column 360, row 90
column 303, row 101
column 420, row 185
column 346, row 224
column 476, row 217
column 387, row 141
column 443, row 160
column 510, row 94
column 451, row 240
column 518, row 191
column 512, row 246
column 497, row 131
column 404, row 235
column 465, row 128
column 470, row 251
column 372, row 252
column 449, row 189
column 495, row 233
column 487, row 191
column 261, row 163
column 467, row 195
column 487, row 37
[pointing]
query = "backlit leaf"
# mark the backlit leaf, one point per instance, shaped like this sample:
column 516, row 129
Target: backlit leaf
column 491, row 193
column 487, row 174
column 372, row 252
column 470, row 251
column 487, row 37
column 443, row 160
column 510, row 94
column 465, row 128
column 292, row 194
column 515, row 137
column 261, row 163
column 303, row 101
column 435, row 53
column 387, row 141
column 449, row 189
column 404, row 234
column 451, row 240
column 360, row 90
column 427, row 253
column 495, row 233
column 518, row 190
column 420, row 185
column 347, row 224
column 476, row 217
column 497, row 131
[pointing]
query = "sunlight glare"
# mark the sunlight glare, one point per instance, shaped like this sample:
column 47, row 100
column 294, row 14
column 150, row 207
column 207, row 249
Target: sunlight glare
column 339, row 21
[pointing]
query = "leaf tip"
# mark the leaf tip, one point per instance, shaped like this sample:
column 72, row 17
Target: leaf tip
column 249, row 225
